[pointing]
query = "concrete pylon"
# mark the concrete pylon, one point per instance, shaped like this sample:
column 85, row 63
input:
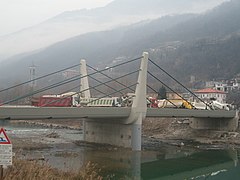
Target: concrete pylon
column 84, row 85
column 126, row 132
column 139, row 106
column 224, row 124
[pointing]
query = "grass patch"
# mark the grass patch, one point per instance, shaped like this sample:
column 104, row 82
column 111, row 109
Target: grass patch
column 33, row 170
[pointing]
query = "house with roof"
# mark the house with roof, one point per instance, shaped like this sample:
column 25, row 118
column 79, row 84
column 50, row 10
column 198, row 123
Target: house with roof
column 211, row 94
column 224, row 85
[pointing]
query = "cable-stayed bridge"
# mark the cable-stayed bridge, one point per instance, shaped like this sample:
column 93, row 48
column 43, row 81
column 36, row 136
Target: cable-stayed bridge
column 116, row 125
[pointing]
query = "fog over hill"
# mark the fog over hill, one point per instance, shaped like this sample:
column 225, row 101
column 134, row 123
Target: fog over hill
column 72, row 23
column 181, row 43
column 96, row 47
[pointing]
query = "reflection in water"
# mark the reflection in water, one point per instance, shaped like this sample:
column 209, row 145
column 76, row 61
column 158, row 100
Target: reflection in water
column 164, row 162
column 143, row 165
column 195, row 166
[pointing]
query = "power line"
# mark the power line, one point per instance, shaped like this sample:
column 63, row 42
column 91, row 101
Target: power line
column 180, row 83
column 169, row 88
column 39, row 78
column 109, row 77
column 112, row 93
column 65, row 82
column 97, row 86
column 166, row 99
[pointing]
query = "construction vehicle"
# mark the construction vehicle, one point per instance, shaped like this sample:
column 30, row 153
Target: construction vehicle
column 223, row 106
column 174, row 103
column 152, row 102
column 213, row 105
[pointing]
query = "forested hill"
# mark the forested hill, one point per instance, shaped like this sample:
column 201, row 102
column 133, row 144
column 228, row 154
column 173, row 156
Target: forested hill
column 206, row 59
column 205, row 45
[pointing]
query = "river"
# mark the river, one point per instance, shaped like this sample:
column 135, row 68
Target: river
column 155, row 161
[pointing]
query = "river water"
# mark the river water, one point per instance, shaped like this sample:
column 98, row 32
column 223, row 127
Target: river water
column 155, row 161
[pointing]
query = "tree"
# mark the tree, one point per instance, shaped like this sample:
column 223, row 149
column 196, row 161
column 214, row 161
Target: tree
column 234, row 98
column 162, row 93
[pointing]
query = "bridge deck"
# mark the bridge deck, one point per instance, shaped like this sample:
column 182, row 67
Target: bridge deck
column 21, row 113
column 29, row 112
column 172, row 112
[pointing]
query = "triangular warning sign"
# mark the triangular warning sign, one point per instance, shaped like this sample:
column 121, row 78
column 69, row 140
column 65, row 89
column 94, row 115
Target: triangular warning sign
column 3, row 137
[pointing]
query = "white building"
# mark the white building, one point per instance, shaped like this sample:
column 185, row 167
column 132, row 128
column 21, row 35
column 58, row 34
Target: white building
column 209, row 93
column 227, row 87
column 224, row 86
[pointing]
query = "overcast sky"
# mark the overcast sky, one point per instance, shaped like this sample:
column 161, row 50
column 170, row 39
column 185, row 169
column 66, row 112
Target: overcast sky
column 18, row 14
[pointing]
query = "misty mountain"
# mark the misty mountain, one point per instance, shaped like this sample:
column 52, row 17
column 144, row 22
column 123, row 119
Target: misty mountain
column 72, row 23
column 162, row 6
column 141, row 8
column 98, row 48
column 182, row 44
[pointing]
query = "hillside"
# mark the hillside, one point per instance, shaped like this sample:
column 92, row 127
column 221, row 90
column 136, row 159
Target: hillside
column 97, row 48
column 72, row 23
column 206, row 59
column 188, row 35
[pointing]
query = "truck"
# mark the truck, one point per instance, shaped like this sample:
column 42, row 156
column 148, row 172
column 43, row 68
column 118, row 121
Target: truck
column 213, row 105
column 48, row 101
column 100, row 102
column 63, row 100
column 122, row 101
column 223, row 106
column 152, row 102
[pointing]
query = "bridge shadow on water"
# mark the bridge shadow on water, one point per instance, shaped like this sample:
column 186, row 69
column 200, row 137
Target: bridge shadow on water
column 170, row 163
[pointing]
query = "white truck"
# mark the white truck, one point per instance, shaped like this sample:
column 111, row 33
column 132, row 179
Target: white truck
column 100, row 102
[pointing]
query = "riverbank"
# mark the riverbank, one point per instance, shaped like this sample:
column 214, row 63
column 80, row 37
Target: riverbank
column 56, row 124
column 32, row 170
column 177, row 129
column 174, row 131
column 162, row 138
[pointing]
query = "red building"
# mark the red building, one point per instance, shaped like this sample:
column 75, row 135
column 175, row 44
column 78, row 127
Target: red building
column 208, row 94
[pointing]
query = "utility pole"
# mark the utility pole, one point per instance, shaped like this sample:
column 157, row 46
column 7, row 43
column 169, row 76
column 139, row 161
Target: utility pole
column 33, row 83
column 32, row 76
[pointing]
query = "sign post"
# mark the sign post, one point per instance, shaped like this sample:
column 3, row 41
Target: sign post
column 5, row 151
column 1, row 171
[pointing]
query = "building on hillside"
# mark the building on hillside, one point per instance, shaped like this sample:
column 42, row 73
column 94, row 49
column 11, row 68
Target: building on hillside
column 152, row 94
column 226, row 86
column 209, row 94
column 173, row 95
column 70, row 73
column 211, row 84
column 169, row 95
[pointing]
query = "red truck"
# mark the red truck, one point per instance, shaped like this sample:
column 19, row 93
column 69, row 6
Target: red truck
column 52, row 101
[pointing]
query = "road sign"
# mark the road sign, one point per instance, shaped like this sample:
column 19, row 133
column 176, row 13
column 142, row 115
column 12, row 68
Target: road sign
column 5, row 149
column 3, row 137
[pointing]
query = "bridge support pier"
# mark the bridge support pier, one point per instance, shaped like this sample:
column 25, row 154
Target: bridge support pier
column 215, row 124
column 123, row 135
column 136, row 141
column 108, row 133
